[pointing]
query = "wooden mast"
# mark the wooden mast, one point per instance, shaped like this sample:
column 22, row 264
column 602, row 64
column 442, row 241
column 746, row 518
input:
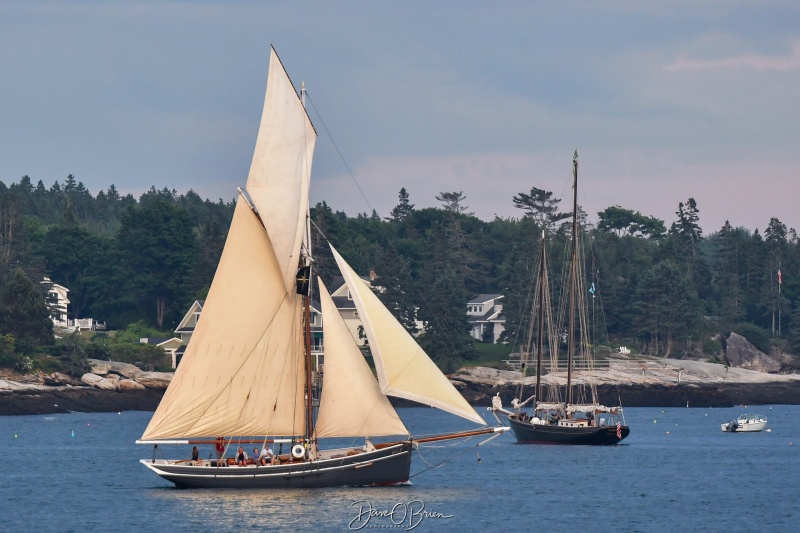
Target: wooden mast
column 573, row 277
column 539, row 342
column 309, row 370
column 307, row 306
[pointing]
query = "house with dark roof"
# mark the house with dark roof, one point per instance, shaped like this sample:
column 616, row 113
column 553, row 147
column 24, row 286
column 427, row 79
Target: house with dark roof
column 484, row 317
column 169, row 344
column 343, row 299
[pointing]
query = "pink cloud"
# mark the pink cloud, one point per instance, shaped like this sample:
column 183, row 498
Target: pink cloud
column 755, row 61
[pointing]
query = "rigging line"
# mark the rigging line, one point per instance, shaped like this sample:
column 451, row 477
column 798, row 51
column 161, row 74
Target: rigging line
column 445, row 460
column 435, row 316
column 349, row 171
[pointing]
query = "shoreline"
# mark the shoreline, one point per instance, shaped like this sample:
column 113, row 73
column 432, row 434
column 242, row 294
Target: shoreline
column 715, row 394
column 661, row 395
column 77, row 399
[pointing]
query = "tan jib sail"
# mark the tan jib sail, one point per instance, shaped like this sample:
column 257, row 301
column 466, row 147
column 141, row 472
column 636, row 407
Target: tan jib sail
column 242, row 373
column 279, row 176
column 351, row 404
column 404, row 369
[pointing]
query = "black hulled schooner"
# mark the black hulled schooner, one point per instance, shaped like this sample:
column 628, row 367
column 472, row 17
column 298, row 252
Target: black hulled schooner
column 577, row 417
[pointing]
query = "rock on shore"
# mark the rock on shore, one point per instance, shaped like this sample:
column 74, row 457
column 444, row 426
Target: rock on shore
column 109, row 386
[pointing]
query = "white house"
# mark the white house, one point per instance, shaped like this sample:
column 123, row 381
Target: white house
column 483, row 315
column 57, row 302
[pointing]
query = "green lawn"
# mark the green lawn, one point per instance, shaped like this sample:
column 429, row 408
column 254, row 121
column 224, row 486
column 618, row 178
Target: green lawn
column 490, row 354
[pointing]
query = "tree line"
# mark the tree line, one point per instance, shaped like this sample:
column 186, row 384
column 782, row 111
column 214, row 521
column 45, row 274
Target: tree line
column 666, row 287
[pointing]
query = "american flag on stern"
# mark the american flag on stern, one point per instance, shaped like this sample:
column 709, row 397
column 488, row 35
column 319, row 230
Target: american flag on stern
column 619, row 430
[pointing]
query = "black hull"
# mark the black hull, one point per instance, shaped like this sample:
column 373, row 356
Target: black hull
column 387, row 466
column 527, row 433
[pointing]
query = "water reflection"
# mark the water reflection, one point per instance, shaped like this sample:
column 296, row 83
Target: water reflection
column 328, row 509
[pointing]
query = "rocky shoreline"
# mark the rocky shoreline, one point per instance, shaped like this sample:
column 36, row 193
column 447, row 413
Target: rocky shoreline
column 109, row 386
column 655, row 383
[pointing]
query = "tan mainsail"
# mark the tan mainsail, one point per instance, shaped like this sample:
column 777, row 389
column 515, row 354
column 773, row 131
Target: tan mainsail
column 351, row 404
column 279, row 176
column 242, row 373
column 404, row 369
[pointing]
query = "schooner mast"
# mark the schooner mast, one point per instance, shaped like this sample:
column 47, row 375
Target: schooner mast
column 572, row 278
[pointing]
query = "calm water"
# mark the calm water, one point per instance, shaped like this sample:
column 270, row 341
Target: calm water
column 676, row 472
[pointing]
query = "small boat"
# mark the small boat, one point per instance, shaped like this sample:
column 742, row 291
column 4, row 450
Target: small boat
column 568, row 419
column 745, row 423
column 246, row 375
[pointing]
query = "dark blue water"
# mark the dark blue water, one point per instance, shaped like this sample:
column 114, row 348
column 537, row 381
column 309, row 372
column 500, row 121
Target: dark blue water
column 676, row 472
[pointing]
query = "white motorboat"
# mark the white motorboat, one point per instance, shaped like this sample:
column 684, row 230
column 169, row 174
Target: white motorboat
column 745, row 423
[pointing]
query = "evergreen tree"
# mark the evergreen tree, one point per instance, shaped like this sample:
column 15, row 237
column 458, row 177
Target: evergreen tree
column 157, row 243
column 443, row 311
column 726, row 278
column 23, row 311
column 71, row 253
column 452, row 201
column 666, row 308
column 404, row 209
column 541, row 206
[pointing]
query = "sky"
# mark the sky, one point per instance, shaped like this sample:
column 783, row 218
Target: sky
column 664, row 101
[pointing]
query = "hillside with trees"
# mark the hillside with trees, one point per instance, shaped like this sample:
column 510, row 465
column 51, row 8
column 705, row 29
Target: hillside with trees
column 665, row 287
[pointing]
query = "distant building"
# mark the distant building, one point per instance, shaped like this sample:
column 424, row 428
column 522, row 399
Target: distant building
column 186, row 328
column 57, row 302
column 169, row 344
column 483, row 315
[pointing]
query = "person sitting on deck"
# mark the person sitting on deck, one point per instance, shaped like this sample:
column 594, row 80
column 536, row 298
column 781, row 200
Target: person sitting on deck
column 241, row 457
column 266, row 457
column 196, row 457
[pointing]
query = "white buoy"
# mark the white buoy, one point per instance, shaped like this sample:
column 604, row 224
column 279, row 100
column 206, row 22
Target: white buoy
column 769, row 430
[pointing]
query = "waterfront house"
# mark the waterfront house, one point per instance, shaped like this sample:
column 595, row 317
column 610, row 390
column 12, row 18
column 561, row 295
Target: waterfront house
column 484, row 317
column 169, row 344
column 57, row 302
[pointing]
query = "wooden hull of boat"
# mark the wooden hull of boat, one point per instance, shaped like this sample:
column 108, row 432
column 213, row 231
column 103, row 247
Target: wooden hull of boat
column 387, row 466
column 527, row 433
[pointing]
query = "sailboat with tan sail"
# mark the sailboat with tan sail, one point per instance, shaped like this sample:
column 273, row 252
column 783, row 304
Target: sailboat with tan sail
column 246, row 374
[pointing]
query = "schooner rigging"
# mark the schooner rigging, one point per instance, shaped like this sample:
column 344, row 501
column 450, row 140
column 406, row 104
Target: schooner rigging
column 246, row 373
column 566, row 421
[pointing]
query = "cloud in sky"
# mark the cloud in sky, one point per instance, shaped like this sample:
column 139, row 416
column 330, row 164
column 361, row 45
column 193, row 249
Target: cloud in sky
column 664, row 102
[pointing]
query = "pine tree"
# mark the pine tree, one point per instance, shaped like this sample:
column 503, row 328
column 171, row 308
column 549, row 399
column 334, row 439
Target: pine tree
column 403, row 210
column 23, row 311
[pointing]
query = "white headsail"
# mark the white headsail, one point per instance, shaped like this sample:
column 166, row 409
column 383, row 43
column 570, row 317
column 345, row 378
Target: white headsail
column 404, row 369
column 351, row 404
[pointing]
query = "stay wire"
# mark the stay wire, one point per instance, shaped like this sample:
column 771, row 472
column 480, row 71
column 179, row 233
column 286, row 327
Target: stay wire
column 452, row 455
column 341, row 156
column 403, row 265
